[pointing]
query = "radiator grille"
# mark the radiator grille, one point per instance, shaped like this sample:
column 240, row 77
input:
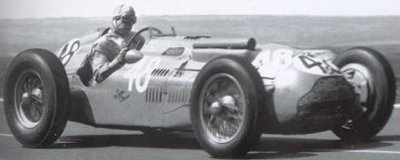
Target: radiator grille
column 154, row 94
column 160, row 72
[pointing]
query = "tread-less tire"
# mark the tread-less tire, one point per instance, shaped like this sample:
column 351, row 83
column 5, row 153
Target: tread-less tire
column 36, row 98
column 227, row 107
column 374, row 82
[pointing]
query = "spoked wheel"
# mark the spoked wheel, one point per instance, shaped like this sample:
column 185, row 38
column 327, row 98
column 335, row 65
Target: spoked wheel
column 362, row 80
column 226, row 110
column 29, row 99
column 374, row 85
column 222, row 107
column 36, row 98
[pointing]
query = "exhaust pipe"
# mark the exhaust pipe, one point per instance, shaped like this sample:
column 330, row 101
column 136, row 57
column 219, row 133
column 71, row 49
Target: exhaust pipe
column 230, row 43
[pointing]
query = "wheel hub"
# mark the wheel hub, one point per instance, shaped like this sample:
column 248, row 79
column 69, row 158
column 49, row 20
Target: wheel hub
column 26, row 98
column 215, row 108
column 228, row 102
column 29, row 98
column 37, row 93
column 222, row 106
column 360, row 78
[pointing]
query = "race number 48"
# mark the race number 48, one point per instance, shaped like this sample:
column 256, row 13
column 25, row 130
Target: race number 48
column 68, row 50
column 279, row 58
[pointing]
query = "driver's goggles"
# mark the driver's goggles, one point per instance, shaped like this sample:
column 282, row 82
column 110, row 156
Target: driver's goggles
column 127, row 19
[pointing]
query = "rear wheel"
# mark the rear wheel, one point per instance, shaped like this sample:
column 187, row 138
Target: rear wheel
column 227, row 107
column 36, row 98
column 374, row 84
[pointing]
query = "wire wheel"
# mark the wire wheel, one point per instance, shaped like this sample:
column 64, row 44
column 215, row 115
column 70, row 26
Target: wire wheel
column 222, row 107
column 374, row 86
column 29, row 99
column 227, row 112
column 36, row 98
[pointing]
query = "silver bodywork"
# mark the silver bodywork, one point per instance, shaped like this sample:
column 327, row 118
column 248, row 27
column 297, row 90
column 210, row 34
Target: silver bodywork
column 155, row 92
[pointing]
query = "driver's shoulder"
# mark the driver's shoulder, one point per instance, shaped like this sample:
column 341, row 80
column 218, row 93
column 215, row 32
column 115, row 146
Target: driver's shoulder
column 106, row 45
column 106, row 41
column 133, row 33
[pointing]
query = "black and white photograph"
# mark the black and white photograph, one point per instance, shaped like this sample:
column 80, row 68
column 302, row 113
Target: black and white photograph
column 199, row 79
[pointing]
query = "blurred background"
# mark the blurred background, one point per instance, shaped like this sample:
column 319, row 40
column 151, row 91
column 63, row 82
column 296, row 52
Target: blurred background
column 337, row 25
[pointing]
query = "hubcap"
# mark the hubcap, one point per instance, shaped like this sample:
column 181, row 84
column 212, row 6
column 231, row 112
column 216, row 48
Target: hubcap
column 361, row 79
column 29, row 99
column 222, row 106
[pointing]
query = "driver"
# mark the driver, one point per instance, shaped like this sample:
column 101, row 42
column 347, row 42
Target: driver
column 108, row 52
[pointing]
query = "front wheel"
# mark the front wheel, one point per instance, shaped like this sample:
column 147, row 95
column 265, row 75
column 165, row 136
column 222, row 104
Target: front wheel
column 226, row 107
column 36, row 98
column 374, row 84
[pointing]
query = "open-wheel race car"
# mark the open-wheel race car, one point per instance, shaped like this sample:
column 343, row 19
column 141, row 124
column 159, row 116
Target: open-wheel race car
column 227, row 91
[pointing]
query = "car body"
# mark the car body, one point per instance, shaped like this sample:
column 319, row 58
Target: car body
column 211, row 86
column 161, row 99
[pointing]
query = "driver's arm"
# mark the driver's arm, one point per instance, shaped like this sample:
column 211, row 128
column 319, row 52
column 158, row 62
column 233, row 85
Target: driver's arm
column 102, row 65
column 137, row 43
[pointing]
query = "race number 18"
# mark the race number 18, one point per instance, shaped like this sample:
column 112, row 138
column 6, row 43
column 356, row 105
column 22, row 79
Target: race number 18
column 140, row 73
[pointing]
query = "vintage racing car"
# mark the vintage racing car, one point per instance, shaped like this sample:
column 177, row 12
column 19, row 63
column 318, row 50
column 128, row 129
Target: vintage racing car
column 227, row 91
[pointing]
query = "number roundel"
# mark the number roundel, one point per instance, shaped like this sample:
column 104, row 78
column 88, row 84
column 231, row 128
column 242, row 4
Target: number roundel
column 68, row 50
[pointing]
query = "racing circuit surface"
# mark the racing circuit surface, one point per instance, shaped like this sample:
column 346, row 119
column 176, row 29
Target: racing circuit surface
column 85, row 142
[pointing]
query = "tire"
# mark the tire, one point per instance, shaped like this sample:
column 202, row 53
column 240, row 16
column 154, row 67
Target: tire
column 376, row 96
column 243, row 123
column 36, row 98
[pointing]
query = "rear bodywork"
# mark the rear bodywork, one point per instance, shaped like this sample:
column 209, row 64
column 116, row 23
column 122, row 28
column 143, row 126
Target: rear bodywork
column 304, row 91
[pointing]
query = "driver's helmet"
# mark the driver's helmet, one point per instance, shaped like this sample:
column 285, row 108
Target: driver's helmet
column 126, row 12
